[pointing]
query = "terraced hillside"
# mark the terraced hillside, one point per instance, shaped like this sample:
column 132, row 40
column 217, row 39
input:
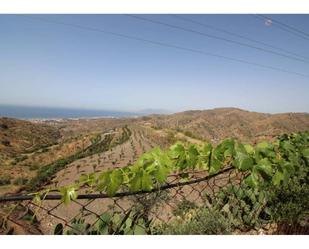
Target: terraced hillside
column 33, row 152
column 115, row 146
column 221, row 123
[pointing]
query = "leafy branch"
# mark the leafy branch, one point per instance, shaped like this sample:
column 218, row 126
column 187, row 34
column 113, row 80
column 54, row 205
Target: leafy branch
column 266, row 164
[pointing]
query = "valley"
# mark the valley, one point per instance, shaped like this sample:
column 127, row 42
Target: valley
column 56, row 153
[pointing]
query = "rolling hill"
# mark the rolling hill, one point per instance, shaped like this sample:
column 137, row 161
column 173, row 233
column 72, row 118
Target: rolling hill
column 220, row 123
column 19, row 136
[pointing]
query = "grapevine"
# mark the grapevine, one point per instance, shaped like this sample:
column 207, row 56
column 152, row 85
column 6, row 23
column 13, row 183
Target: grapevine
column 266, row 164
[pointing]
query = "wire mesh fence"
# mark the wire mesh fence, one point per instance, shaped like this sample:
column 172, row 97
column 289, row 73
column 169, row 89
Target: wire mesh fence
column 126, row 212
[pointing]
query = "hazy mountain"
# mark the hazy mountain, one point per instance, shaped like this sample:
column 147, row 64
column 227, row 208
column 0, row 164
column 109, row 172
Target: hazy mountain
column 154, row 111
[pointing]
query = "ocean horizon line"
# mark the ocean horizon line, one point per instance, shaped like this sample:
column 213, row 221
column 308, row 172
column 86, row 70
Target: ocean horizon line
column 54, row 113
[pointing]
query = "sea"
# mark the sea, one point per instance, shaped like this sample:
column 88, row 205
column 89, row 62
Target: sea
column 50, row 113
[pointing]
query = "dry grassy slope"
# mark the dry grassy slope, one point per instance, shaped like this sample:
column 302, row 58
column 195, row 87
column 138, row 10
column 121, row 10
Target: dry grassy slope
column 19, row 136
column 221, row 123
column 72, row 128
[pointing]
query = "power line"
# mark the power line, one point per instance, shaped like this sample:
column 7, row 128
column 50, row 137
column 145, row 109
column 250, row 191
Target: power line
column 282, row 26
column 216, row 37
column 237, row 35
column 286, row 25
column 162, row 44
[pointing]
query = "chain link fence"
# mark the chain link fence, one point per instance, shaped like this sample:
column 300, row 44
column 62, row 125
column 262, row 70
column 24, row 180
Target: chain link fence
column 20, row 214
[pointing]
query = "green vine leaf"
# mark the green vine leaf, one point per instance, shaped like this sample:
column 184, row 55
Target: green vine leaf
column 252, row 180
column 68, row 194
column 277, row 178
column 217, row 160
column 305, row 153
column 243, row 162
column 249, row 149
column 264, row 167
column 135, row 183
column 215, row 165
column 204, row 157
column 110, row 181
column 242, row 159
column 177, row 153
column 87, row 179
column 147, row 183
column 192, row 156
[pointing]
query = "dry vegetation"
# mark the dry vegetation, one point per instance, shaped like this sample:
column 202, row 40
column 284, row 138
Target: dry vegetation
column 221, row 123
column 28, row 149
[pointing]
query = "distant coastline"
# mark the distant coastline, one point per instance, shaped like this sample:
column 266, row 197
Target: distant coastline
column 51, row 113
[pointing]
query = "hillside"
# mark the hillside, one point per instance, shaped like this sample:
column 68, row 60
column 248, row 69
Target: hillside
column 18, row 136
column 220, row 123
column 27, row 147
column 55, row 153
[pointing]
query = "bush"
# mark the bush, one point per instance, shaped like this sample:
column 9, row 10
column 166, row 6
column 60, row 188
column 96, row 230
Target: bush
column 171, row 138
column 184, row 207
column 290, row 205
column 201, row 221
column 108, row 224
column 192, row 135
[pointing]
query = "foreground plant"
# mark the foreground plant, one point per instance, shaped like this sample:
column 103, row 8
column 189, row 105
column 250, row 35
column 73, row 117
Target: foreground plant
column 267, row 167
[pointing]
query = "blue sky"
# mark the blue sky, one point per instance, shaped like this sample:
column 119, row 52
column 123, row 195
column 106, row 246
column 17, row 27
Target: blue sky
column 47, row 64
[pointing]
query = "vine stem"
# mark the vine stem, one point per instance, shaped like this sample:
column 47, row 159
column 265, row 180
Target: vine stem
column 122, row 194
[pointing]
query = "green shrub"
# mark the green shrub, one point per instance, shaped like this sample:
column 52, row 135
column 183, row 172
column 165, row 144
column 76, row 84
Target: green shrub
column 184, row 207
column 290, row 204
column 108, row 224
column 200, row 221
